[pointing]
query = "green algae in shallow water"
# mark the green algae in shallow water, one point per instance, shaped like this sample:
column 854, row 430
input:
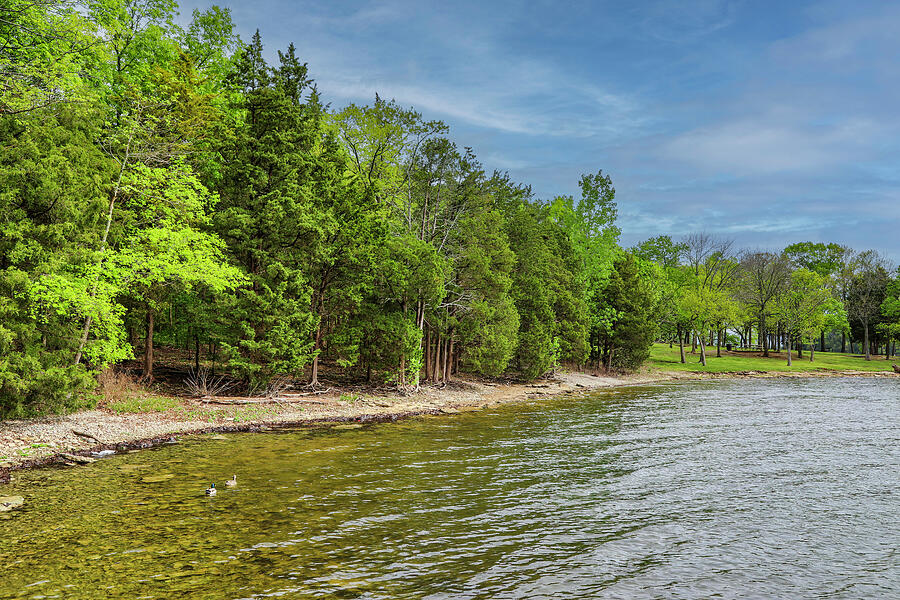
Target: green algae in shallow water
column 766, row 488
column 157, row 478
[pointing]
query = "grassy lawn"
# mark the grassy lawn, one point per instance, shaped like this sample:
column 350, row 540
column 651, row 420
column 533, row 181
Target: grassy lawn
column 667, row 359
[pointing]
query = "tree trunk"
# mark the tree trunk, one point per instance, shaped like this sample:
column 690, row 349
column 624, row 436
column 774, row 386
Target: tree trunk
column 763, row 334
column 822, row 341
column 314, row 371
column 448, row 358
column 789, row 351
column 866, row 340
column 438, row 346
column 196, row 351
column 719, row 343
column 681, row 344
column 812, row 350
column 702, row 351
column 843, row 342
column 148, row 347
column 428, row 354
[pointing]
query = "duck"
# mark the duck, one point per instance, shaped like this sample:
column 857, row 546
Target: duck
column 211, row 490
column 232, row 482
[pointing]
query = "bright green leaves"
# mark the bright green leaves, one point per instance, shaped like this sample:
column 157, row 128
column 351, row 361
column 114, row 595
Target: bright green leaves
column 807, row 305
column 629, row 303
column 43, row 45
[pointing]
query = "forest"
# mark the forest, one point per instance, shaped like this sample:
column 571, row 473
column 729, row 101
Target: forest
column 166, row 186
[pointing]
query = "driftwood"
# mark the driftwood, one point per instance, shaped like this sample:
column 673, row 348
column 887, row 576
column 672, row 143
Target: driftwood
column 86, row 435
column 896, row 368
column 286, row 398
column 299, row 394
column 76, row 458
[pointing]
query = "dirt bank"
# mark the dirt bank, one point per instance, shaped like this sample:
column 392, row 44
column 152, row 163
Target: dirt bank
column 44, row 441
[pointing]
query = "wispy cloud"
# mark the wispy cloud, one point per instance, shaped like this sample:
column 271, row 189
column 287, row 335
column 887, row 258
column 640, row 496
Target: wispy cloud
column 708, row 114
column 764, row 145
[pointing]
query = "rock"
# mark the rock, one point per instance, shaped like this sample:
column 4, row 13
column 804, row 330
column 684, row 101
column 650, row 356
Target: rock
column 79, row 459
column 10, row 502
column 103, row 453
column 896, row 368
column 449, row 411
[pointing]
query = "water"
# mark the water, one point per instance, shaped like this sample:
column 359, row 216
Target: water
column 734, row 489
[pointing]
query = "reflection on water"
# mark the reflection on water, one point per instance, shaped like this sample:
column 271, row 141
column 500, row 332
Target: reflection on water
column 767, row 488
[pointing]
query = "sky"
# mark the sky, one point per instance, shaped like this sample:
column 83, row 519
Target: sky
column 762, row 122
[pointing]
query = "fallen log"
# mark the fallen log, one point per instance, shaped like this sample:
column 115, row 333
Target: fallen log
column 76, row 458
column 86, row 435
column 299, row 394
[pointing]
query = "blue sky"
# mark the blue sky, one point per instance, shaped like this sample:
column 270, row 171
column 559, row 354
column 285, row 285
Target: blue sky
column 765, row 122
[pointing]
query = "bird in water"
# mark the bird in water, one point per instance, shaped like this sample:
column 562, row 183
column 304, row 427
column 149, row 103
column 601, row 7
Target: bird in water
column 232, row 482
column 211, row 490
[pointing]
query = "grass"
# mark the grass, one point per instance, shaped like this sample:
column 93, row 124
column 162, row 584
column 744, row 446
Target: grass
column 239, row 414
column 141, row 404
column 668, row 359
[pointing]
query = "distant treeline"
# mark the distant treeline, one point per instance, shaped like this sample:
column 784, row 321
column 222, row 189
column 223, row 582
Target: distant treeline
column 166, row 186
column 773, row 300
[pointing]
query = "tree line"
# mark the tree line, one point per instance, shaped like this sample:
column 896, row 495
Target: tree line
column 771, row 301
column 167, row 186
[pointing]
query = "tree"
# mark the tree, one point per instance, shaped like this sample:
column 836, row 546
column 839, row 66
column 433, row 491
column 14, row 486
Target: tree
column 277, row 168
column 51, row 193
column 164, row 247
column 804, row 307
column 625, row 343
column 867, row 292
column 824, row 259
column 890, row 308
column 661, row 250
column 762, row 277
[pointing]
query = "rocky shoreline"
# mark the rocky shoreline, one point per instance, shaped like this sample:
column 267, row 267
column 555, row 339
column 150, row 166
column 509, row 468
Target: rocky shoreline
column 79, row 437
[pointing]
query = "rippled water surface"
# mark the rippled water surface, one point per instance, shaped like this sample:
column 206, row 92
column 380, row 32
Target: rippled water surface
column 750, row 489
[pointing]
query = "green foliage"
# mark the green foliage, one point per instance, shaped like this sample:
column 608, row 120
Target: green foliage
column 625, row 340
column 823, row 259
column 661, row 250
column 806, row 305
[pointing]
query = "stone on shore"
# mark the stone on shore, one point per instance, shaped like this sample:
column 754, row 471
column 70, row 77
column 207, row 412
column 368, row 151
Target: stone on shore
column 10, row 502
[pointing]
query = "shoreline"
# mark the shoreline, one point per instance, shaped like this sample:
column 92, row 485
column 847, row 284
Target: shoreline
column 70, row 440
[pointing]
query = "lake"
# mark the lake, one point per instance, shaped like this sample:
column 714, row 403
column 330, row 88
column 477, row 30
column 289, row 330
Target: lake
column 758, row 488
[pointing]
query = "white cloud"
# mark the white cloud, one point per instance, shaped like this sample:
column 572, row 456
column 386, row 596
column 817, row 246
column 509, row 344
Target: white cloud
column 771, row 145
